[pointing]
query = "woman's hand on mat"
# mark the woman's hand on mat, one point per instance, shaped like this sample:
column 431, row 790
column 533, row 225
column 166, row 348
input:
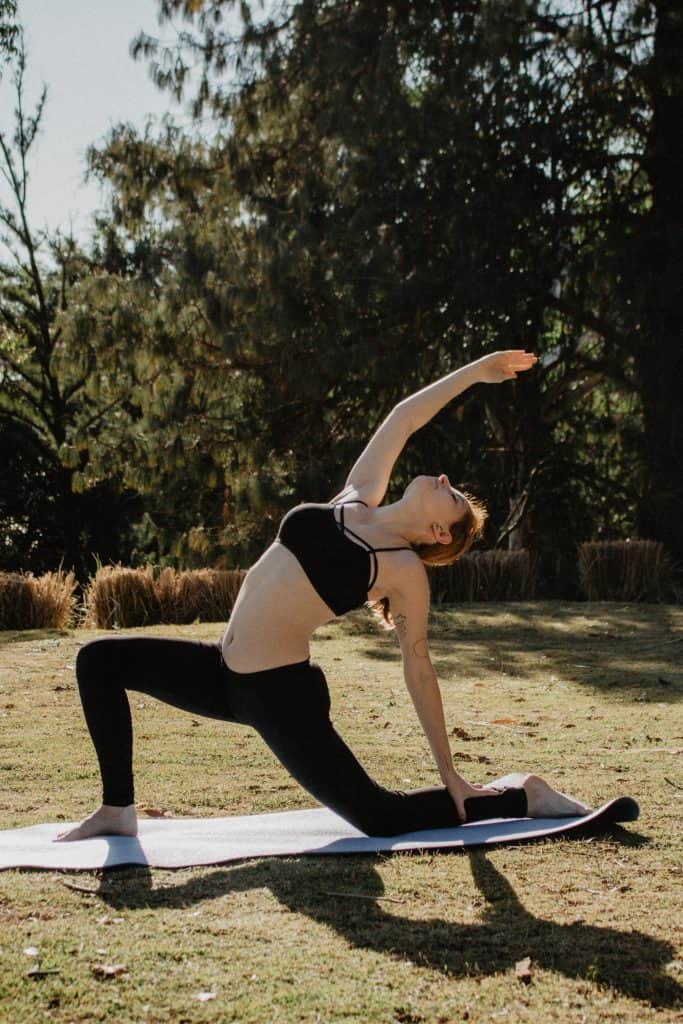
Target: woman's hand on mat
column 461, row 790
column 106, row 821
column 501, row 366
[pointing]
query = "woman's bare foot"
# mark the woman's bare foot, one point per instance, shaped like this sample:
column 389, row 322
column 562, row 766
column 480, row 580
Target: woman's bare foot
column 107, row 821
column 542, row 800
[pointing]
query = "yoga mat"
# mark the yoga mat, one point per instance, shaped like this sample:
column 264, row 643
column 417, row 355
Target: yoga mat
column 183, row 842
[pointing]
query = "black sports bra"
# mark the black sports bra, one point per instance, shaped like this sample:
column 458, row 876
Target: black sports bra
column 337, row 567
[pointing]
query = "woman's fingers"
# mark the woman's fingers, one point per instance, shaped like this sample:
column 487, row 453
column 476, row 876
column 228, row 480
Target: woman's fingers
column 522, row 359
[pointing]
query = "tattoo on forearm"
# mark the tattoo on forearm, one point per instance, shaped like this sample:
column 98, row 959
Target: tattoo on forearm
column 420, row 648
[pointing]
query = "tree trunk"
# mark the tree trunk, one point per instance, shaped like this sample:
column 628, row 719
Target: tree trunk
column 659, row 352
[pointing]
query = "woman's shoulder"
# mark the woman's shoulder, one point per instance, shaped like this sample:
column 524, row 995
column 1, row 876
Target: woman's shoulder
column 404, row 571
column 351, row 494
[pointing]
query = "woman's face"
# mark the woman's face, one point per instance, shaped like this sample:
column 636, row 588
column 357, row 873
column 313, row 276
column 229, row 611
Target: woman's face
column 440, row 501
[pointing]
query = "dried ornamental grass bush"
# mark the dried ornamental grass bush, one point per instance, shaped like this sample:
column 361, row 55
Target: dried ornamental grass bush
column 144, row 597
column 15, row 601
column 207, row 595
column 485, row 576
column 165, row 588
column 54, row 599
column 625, row 570
column 118, row 596
column 30, row 602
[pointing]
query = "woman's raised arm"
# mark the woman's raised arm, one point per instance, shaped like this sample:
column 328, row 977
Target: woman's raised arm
column 495, row 368
column 370, row 474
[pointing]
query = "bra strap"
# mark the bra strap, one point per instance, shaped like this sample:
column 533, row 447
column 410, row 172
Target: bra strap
column 394, row 549
column 368, row 547
column 347, row 529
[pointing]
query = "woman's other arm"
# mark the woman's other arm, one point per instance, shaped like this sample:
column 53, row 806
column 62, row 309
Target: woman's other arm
column 410, row 611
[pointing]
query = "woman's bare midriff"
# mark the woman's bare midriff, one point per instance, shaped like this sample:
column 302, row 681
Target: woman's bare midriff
column 276, row 612
column 277, row 609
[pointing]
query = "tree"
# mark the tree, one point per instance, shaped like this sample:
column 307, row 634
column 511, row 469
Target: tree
column 9, row 31
column 390, row 190
column 407, row 208
column 42, row 385
column 621, row 60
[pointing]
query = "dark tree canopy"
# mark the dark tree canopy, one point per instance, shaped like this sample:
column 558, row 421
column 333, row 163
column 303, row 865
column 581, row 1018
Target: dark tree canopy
column 374, row 194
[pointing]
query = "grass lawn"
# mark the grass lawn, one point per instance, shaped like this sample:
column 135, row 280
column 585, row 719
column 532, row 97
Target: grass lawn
column 588, row 695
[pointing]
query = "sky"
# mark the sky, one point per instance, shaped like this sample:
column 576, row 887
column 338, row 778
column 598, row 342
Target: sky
column 80, row 49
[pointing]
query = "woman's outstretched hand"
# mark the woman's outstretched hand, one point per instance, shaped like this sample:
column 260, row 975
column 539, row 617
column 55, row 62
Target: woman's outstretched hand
column 460, row 790
column 500, row 366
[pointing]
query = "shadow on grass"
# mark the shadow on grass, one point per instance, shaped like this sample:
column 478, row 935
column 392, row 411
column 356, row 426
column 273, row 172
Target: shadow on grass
column 25, row 636
column 346, row 894
column 380, row 654
column 601, row 646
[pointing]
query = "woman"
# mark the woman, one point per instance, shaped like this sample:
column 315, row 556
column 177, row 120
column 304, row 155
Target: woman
column 327, row 559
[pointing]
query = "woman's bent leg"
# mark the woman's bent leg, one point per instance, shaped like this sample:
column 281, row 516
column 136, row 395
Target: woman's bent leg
column 185, row 673
column 292, row 716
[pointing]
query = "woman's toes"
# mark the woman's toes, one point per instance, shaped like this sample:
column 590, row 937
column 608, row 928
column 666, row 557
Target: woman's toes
column 65, row 837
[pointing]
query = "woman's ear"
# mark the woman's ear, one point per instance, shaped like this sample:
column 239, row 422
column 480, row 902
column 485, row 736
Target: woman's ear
column 440, row 534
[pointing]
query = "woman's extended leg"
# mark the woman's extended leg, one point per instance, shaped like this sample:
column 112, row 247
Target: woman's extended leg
column 543, row 801
column 292, row 715
column 188, row 674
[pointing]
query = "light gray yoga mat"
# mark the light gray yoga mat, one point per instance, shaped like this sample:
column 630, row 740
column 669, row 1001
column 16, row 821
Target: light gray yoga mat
column 183, row 842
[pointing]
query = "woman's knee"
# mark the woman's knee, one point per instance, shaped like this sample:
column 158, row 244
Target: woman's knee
column 92, row 659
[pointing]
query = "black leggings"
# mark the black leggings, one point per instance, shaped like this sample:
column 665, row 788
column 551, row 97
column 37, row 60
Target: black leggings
column 288, row 706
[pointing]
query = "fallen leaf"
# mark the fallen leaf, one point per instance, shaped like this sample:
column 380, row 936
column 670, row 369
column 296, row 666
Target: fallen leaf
column 504, row 721
column 108, row 970
column 462, row 734
column 404, row 1016
column 477, row 758
column 40, row 972
column 523, row 970
column 157, row 812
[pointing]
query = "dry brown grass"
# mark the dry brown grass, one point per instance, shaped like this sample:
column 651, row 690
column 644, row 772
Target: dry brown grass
column 485, row 576
column 37, row 602
column 118, row 596
column 122, row 597
column 636, row 570
column 204, row 595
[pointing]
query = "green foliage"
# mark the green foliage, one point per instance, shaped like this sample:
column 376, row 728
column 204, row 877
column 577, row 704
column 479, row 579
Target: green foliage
column 386, row 191
column 366, row 221
column 42, row 379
